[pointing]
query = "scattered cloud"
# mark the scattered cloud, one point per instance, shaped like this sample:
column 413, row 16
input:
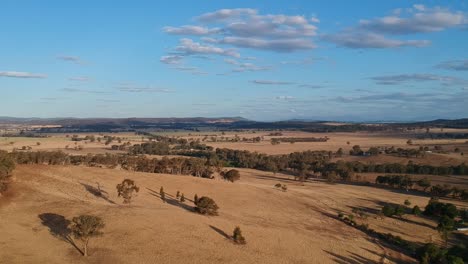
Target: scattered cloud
column 354, row 39
column 372, row 33
column 270, row 82
column 245, row 66
column 278, row 45
column 133, row 88
column 223, row 15
column 72, row 59
column 285, row 97
column 420, row 19
column 189, row 47
column 171, row 59
column 424, row 77
column 76, row 90
column 80, row 79
column 25, row 75
column 191, row 30
column 305, row 61
column 456, row 65
column 312, row 86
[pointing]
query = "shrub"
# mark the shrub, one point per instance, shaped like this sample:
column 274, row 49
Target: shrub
column 231, row 175
column 84, row 227
column 195, row 199
column 206, row 206
column 126, row 189
column 177, row 195
column 182, row 198
column 237, row 236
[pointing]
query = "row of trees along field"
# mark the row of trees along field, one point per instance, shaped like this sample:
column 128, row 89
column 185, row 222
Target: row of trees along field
column 7, row 166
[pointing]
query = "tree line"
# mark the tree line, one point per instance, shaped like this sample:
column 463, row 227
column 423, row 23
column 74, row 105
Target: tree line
column 7, row 166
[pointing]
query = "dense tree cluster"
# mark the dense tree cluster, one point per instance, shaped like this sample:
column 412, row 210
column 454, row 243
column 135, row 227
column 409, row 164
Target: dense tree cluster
column 186, row 166
column 151, row 148
column 395, row 181
column 409, row 168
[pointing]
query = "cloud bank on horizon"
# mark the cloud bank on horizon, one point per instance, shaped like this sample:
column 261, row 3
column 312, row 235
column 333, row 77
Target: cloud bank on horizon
column 394, row 61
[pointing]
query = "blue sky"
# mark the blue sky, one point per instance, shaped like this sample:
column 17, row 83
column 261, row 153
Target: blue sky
column 262, row 60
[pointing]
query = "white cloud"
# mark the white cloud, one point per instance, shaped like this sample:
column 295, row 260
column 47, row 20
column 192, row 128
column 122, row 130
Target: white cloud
column 26, row 75
column 363, row 40
column 371, row 33
column 245, row 66
column 189, row 47
column 191, row 30
column 72, row 59
column 456, row 65
column 270, row 82
column 418, row 77
column 171, row 59
column 421, row 21
column 79, row 79
column 285, row 97
column 245, row 28
column 279, row 45
column 226, row 14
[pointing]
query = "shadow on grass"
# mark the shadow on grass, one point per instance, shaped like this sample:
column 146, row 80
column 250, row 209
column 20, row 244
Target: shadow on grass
column 169, row 199
column 58, row 227
column 221, row 232
column 97, row 192
column 353, row 259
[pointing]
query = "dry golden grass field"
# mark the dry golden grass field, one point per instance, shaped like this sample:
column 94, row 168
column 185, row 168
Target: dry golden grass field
column 297, row 226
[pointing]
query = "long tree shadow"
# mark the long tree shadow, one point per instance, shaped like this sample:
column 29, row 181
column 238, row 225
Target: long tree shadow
column 353, row 259
column 221, row 232
column 169, row 199
column 97, row 192
column 58, row 227
column 384, row 257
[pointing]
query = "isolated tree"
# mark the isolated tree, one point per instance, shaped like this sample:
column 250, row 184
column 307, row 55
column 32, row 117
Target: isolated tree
column 206, row 206
column 424, row 183
column 195, row 199
column 340, row 152
column 388, row 210
column 416, row 210
column 284, row 187
column 445, row 226
column 182, row 198
column 231, row 175
column 126, row 190
column 84, row 227
column 237, row 236
column 162, row 194
column 407, row 202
